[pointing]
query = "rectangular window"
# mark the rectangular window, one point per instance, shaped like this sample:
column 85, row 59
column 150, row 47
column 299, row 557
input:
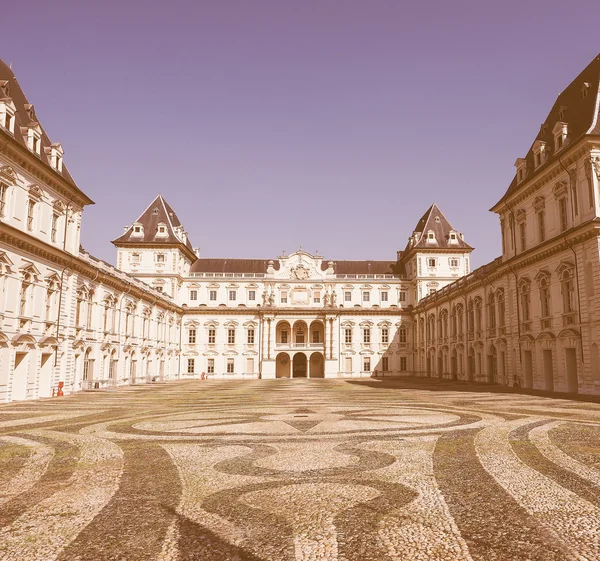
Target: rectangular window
column 541, row 225
column 317, row 297
column 347, row 296
column 431, row 262
column 367, row 335
column 284, row 297
column 212, row 295
column 384, row 296
column 230, row 366
column 454, row 263
column 54, row 229
column 348, row 335
column 135, row 257
column 385, row 335
column 212, row 336
column 523, row 235
column 3, row 189
column 385, row 365
column 250, row 366
column 367, row 364
column 251, row 295
column 210, row 366
column 402, row 296
column 232, row 295
column 193, row 295
column 251, row 336
column 403, row 366
column 562, row 211
column 192, row 336
column 348, row 364
column 30, row 214
column 284, row 336
column 231, row 336
column 315, row 337
column 160, row 258
column 190, row 365
column 366, row 296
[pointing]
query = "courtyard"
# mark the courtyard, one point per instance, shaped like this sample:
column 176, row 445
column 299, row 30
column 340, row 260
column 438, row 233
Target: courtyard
column 300, row 470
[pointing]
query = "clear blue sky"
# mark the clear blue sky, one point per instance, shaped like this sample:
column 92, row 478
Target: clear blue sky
column 273, row 124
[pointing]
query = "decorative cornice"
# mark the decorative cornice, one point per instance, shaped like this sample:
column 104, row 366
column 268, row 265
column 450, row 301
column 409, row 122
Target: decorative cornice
column 24, row 242
column 552, row 247
column 22, row 158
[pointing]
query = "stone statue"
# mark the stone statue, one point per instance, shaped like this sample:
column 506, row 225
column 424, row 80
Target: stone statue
column 333, row 297
column 326, row 299
column 271, row 299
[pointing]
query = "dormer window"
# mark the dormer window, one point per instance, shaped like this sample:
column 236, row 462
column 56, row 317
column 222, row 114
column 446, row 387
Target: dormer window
column 584, row 90
column 430, row 237
column 33, row 137
column 452, row 238
column 162, row 230
column 138, row 230
column 560, row 135
column 521, row 165
column 562, row 112
column 55, row 152
column 539, row 153
column 7, row 114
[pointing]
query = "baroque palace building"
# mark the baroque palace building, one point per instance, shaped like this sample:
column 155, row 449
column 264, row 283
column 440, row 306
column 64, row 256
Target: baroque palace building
column 531, row 317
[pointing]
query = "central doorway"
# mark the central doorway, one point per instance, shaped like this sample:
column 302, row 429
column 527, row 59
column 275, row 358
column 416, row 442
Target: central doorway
column 299, row 370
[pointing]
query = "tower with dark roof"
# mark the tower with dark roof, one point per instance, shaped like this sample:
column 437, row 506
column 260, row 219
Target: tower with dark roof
column 436, row 254
column 156, row 247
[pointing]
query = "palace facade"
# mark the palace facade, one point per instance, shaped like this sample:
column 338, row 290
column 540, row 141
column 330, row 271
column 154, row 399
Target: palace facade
column 531, row 317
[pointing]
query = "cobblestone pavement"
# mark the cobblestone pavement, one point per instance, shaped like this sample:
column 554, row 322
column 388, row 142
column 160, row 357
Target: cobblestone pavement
column 300, row 470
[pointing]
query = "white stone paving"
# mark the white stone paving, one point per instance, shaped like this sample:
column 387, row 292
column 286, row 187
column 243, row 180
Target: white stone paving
column 423, row 530
column 44, row 530
column 35, row 466
column 570, row 518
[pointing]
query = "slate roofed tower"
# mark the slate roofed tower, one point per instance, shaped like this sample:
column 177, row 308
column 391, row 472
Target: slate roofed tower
column 436, row 253
column 156, row 248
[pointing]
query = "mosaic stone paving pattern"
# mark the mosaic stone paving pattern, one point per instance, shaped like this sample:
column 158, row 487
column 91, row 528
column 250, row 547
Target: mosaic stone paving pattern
column 300, row 470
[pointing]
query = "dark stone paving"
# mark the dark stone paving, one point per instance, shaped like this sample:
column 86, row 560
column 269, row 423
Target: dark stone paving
column 300, row 470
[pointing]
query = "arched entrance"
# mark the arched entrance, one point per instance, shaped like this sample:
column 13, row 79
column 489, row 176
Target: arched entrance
column 299, row 368
column 282, row 366
column 316, row 366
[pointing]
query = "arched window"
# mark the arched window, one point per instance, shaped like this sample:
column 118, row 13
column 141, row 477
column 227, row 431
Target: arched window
column 568, row 291
column 492, row 311
column 51, row 298
column 501, row 308
column 478, row 315
column 25, row 296
column 525, row 296
column 544, row 284
column 470, row 316
column 459, row 319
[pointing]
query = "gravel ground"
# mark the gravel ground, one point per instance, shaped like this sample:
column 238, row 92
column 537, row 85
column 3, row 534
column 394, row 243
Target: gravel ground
column 300, row 470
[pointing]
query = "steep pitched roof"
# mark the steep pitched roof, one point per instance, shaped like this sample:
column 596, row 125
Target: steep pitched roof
column 581, row 114
column 208, row 265
column 434, row 221
column 158, row 212
column 366, row 268
column 24, row 117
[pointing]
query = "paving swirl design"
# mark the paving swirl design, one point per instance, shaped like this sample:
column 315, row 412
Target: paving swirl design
column 300, row 470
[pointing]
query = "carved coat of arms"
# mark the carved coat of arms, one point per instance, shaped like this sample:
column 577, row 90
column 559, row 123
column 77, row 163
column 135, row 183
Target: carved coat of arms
column 300, row 272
